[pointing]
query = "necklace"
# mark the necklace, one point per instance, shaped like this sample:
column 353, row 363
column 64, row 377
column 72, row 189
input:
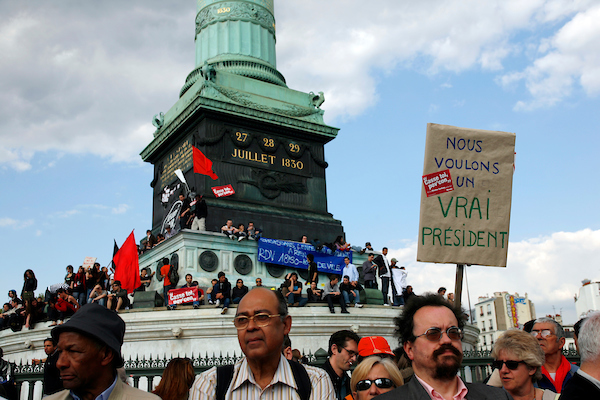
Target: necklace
column 533, row 398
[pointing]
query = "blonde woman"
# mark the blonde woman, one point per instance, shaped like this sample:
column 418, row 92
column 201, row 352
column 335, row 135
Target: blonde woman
column 373, row 376
column 519, row 359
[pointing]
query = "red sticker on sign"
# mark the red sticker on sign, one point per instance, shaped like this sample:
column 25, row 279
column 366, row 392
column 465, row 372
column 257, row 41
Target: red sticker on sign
column 222, row 191
column 438, row 182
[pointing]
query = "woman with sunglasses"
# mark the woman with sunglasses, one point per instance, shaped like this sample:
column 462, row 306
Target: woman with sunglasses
column 519, row 359
column 373, row 376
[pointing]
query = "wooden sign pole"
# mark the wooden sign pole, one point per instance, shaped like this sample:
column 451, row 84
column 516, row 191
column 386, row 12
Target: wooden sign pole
column 460, row 269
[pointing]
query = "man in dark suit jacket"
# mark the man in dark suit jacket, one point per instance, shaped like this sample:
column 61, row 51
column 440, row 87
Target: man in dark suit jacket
column 431, row 332
column 585, row 384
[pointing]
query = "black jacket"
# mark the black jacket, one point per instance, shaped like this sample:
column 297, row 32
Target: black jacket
column 341, row 384
column 414, row 391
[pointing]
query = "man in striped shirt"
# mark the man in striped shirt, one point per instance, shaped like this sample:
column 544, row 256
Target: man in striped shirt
column 262, row 321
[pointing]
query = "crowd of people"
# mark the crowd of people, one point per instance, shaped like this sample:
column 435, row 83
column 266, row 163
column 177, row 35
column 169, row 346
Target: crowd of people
column 528, row 363
column 94, row 284
column 63, row 299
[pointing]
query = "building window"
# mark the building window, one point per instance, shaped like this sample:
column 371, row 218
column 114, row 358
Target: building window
column 489, row 309
column 491, row 325
column 481, row 311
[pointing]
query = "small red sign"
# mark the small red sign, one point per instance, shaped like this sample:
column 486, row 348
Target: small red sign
column 222, row 191
column 183, row 295
column 438, row 182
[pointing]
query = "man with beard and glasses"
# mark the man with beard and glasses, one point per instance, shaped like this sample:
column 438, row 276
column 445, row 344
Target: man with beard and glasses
column 430, row 330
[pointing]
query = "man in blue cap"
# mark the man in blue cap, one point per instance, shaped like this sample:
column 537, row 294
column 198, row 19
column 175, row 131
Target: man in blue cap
column 89, row 348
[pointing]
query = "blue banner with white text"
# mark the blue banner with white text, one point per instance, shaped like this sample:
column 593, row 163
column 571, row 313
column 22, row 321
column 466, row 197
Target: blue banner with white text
column 293, row 254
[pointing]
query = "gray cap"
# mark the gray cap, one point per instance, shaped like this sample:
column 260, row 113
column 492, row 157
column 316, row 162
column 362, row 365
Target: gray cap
column 99, row 323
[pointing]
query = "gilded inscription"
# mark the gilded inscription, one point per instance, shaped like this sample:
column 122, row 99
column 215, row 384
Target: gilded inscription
column 267, row 159
column 180, row 158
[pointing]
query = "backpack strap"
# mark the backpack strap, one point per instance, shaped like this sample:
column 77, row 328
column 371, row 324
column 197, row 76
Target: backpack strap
column 302, row 379
column 224, row 377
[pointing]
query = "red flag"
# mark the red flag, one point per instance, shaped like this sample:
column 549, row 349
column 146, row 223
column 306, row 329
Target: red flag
column 203, row 165
column 127, row 266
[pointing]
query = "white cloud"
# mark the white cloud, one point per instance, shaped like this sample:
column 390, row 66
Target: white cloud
column 15, row 224
column 65, row 214
column 549, row 269
column 88, row 79
column 120, row 209
column 8, row 222
column 567, row 61
column 85, row 208
column 428, row 36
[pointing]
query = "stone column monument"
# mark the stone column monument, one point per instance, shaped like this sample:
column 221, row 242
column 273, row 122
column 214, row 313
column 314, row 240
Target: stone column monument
column 263, row 138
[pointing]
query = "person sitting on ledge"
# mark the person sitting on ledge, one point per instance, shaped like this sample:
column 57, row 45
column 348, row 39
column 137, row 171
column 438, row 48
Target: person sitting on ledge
column 117, row 299
column 222, row 291
column 368, row 248
column 229, row 230
column 350, row 293
column 293, row 290
column 169, row 232
column 239, row 291
column 332, row 293
column 98, row 295
column 314, row 294
column 148, row 242
column 189, row 283
column 66, row 305
column 145, row 280
column 253, row 232
column 210, row 292
column 340, row 244
column 241, row 234
column 159, row 239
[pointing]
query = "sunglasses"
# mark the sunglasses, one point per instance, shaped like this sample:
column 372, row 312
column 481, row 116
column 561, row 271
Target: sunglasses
column 510, row 364
column 435, row 334
column 381, row 383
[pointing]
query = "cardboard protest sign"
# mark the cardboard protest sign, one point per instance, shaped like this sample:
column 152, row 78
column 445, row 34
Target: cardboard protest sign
column 183, row 295
column 468, row 224
column 88, row 262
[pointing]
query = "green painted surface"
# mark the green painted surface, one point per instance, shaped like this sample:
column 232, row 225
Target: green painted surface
column 268, row 4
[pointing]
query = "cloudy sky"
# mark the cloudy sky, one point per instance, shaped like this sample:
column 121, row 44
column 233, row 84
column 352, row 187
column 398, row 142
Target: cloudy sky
column 81, row 81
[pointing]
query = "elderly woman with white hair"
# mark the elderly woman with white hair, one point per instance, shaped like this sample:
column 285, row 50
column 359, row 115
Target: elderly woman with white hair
column 519, row 359
column 373, row 376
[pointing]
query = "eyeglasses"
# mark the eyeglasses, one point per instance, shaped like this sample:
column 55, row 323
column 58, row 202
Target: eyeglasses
column 435, row 334
column 260, row 319
column 510, row 364
column 544, row 333
column 351, row 353
column 381, row 383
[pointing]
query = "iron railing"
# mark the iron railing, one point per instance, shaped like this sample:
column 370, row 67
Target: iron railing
column 476, row 366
